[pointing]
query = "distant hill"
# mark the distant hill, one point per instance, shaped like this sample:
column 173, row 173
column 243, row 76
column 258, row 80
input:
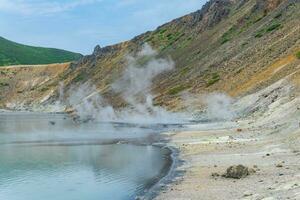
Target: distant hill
column 12, row 53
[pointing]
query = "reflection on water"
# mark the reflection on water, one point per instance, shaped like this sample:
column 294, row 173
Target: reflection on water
column 32, row 169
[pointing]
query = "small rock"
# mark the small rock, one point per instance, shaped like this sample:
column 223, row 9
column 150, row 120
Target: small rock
column 247, row 194
column 237, row 172
column 279, row 165
column 215, row 174
column 252, row 171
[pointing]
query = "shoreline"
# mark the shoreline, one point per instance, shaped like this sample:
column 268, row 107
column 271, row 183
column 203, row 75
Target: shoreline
column 169, row 173
column 153, row 187
column 204, row 152
column 271, row 148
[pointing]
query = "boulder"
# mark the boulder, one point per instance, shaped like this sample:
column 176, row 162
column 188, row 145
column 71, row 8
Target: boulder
column 237, row 172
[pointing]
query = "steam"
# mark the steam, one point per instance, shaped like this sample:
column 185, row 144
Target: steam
column 137, row 77
column 210, row 107
column 134, row 86
column 61, row 91
column 89, row 104
column 219, row 106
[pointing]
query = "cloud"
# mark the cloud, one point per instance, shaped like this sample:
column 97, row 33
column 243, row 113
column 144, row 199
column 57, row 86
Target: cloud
column 41, row 7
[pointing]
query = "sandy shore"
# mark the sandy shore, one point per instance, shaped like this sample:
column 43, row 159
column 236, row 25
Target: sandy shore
column 272, row 150
column 274, row 156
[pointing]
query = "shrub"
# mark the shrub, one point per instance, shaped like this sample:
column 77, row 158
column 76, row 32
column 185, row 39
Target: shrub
column 215, row 78
column 298, row 54
column 273, row 27
column 278, row 15
column 149, row 39
column 224, row 40
column 176, row 90
column 259, row 18
column 80, row 77
column 228, row 35
column 162, row 31
column 3, row 84
column 259, row 34
column 43, row 89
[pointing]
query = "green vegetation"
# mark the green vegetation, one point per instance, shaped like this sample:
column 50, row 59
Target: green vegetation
column 44, row 89
column 215, row 78
column 278, row 15
column 298, row 54
column 184, row 71
column 260, row 33
column 245, row 44
column 3, row 84
column 167, row 37
column 176, row 90
column 226, row 37
column 257, row 19
column 274, row 26
column 12, row 53
column 80, row 77
column 224, row 40
column 162, row 31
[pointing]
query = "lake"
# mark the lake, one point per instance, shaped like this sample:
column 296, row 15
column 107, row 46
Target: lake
column 49, row 157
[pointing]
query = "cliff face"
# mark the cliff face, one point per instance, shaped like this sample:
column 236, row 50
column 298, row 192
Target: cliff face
column 234, row 46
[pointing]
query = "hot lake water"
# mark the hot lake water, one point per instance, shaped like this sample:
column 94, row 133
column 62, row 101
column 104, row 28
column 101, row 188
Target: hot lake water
column 49, row 157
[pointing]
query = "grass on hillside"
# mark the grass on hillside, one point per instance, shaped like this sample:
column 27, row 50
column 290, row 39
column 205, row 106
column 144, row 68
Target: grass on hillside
column 12, row 53
column 298, row 54
column 214, row 79
column 274, row 26
column 176, row 90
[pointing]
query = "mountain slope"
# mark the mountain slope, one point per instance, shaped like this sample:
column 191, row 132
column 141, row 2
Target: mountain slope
column 231, row 46
column 220, row 47
column 12, row 53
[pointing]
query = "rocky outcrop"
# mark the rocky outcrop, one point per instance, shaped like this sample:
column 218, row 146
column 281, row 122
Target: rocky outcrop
column 211, row 14
column 267, row 5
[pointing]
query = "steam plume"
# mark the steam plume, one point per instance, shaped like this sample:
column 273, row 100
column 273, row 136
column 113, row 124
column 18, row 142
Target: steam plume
column 134, row 86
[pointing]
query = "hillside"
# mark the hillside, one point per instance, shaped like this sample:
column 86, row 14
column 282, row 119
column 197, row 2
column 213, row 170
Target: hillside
column 232, row 46
column 222, row 47
column 233, row 67
column 12, row 53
